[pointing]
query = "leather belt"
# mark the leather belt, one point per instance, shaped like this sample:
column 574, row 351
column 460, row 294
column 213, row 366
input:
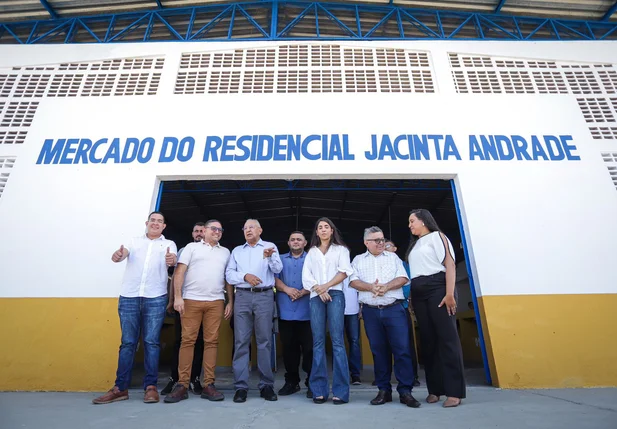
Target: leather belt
column 379, row 307
column 256, row 289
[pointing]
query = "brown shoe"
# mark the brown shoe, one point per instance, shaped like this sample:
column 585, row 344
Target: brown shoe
column 212, row 394
column 113, row 395
column 151, row 396
column 179, row 393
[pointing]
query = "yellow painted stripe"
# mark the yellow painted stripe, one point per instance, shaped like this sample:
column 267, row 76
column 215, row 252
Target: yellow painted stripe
column 542, row 341
column 70, row 344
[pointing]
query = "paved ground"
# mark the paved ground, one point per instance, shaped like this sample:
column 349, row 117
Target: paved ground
column 485, row 407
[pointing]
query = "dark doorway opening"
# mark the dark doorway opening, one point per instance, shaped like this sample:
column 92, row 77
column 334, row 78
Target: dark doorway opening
column 282, row 206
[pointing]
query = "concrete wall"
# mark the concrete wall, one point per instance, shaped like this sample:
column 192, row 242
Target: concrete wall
column 541, row 233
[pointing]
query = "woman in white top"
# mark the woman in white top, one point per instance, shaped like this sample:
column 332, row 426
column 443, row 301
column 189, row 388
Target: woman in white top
column 326, row 265
column 433, row 295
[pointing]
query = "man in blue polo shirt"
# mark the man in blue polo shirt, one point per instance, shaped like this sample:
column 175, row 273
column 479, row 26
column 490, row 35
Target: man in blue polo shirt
column 294, row 316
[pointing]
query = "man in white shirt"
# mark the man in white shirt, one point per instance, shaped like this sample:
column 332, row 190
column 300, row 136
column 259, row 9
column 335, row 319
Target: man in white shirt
column 378, row 276
column 199, row 288
column 198, row 232
column 251, row 270
column 141, row 306
column 391, row 247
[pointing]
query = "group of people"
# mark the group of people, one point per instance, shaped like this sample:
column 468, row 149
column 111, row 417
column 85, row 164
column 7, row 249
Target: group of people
column 318, row 290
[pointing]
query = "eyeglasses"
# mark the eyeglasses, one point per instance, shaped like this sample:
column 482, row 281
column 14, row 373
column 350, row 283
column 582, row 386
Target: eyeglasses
column 161, row 221
column 377, row 240
column 216, row 229
column 250, row 227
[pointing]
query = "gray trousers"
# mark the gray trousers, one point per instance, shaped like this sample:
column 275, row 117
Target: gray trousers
column 253, row 309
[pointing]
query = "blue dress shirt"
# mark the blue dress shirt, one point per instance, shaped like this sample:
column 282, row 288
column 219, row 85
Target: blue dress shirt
column 247, row 259
column 292, row 277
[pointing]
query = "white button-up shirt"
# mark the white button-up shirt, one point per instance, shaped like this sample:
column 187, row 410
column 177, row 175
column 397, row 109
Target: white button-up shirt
column 146, row 269
column 319, row 268
column 385, row 267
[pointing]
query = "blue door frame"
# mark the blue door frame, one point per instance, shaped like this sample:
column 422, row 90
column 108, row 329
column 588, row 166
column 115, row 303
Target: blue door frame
column 472, row 286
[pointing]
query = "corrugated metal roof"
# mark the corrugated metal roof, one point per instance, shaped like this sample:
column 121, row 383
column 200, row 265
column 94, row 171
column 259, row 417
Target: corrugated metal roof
column 26, row 10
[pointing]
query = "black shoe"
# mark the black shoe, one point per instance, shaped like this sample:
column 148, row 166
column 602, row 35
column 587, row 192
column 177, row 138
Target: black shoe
column 309, row 393
column 355, row 380
column 416, row 382
column 195, row 386
column 382, row 397
column 268, row 394
column 321, row 400
column 409, row 400
column 374, row 383
column 240, row 396
column 289, row 389
column 170, row 386
column 338, row 401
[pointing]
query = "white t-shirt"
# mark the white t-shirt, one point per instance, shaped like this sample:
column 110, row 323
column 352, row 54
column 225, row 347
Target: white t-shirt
column 205, row 273
column 320, row 269
column 146, row 269
column 428, row 255
column 351, row 299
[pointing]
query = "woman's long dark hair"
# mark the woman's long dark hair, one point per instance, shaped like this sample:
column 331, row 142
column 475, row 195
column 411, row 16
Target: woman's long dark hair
column 429, row 221
column 336, row 235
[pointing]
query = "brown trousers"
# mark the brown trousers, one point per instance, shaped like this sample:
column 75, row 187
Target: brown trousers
column 196, row 313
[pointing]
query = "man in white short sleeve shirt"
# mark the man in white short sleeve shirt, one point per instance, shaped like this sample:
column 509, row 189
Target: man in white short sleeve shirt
column 199, row 285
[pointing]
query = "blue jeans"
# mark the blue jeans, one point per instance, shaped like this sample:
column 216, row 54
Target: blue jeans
column 140, row 316
column 333, row 313
column 352, row 331
column 387, row 330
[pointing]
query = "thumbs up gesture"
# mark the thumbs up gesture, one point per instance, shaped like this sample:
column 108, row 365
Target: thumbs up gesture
column 118, row 255
column 170, row 258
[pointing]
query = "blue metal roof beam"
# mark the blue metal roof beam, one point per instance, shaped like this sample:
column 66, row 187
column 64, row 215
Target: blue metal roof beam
column 158, row 4
column 500, row 5
column 49, row 9
column 609, row 12
column 294, row 20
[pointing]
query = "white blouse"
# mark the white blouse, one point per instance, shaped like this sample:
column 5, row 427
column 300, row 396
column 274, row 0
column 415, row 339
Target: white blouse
column 319, row 268
column 428, row 255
